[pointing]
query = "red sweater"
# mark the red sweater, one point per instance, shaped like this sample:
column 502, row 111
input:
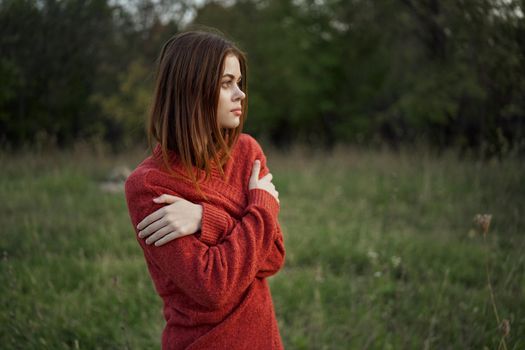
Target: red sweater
column 213, row 283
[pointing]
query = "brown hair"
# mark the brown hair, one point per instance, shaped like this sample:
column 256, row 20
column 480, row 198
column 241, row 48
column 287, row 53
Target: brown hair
column 183, row 117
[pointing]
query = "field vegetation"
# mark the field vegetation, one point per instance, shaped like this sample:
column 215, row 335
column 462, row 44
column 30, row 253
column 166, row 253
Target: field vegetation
column 382, row 253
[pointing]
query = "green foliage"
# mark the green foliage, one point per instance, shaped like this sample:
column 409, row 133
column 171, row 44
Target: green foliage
column 59, row 57
column 380, row 253
column 127, row 107
column 366, row 72
column 10, row 78
column 381, row 71
column 55, row 60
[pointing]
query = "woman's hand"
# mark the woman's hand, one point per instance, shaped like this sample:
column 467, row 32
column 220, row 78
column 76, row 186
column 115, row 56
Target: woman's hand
column 265, row 183
column 178, row 219
column 181, row 217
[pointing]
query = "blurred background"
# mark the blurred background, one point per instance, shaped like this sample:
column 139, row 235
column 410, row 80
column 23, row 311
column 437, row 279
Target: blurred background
column 395, row 131
column 442, row 73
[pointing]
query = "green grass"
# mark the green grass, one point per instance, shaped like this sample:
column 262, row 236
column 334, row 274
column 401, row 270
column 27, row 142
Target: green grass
column 379, row 254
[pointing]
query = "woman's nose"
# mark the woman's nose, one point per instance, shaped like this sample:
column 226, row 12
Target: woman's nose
column 238, row 94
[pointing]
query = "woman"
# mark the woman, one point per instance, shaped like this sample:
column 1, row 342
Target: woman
column 203, row 204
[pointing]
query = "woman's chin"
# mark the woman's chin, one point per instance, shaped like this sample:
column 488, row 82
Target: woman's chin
column 232, row 124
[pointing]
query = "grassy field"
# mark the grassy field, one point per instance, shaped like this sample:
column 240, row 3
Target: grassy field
column 381, row 253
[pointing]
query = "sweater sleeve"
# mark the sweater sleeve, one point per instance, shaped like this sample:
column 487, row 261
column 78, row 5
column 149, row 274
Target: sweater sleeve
column 212, row 275
column 275, row 258
column 217, row 224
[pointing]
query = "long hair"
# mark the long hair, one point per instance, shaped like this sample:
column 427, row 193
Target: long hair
column 183, row 116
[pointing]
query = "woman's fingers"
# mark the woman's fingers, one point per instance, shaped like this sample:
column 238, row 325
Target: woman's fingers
column 168, row 238
column 166, row 198
column 254, row 178
column 157, row 214
column 267, row 177
column 159, row 234
column 265, row 183
column 157, row 225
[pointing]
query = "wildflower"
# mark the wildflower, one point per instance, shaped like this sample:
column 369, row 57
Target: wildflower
column 372, row 254
column 396, row 261
column 482, row 222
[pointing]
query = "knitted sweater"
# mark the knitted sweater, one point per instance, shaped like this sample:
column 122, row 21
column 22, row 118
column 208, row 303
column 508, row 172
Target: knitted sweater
column 213, row 283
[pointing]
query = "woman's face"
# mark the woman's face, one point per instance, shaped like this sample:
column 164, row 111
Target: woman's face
column 229, row 109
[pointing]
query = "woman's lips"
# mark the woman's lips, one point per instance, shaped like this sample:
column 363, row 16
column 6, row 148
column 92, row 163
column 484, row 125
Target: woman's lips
column 237, row 111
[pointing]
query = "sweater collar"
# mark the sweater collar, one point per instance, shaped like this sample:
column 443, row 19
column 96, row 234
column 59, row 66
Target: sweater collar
column 214, row 185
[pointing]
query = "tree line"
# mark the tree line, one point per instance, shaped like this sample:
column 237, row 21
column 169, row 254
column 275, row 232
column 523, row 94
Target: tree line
column 448, row 73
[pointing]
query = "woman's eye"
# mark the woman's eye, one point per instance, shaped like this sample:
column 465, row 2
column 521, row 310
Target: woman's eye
column 230, row 83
